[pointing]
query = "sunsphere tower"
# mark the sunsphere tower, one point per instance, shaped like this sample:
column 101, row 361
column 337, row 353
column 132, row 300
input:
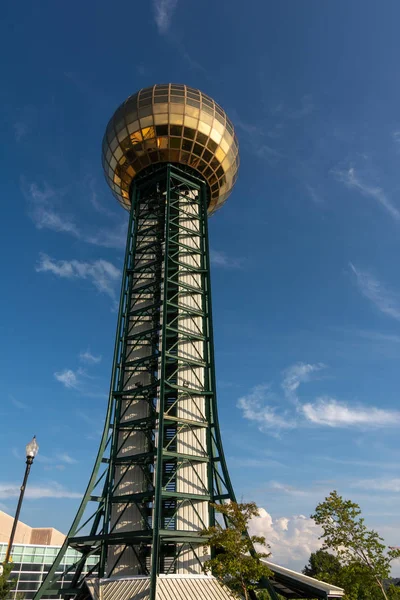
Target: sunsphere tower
column 170, row 156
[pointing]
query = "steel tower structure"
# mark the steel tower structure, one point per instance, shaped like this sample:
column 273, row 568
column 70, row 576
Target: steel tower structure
column 170, row 155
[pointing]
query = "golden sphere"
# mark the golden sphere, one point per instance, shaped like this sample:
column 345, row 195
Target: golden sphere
column 176, row 124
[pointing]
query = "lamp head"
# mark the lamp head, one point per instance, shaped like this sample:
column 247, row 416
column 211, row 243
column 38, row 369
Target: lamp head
column 32, row 448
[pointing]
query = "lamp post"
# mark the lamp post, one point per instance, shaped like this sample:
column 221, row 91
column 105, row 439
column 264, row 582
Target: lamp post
column 31, row 451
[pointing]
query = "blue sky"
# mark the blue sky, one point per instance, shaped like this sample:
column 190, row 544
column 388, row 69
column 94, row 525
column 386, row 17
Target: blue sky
column 306, row 286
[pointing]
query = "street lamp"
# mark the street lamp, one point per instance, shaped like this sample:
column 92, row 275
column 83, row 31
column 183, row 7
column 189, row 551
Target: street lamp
column 31, row 451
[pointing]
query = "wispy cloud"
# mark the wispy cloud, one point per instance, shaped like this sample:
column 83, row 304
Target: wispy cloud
column 353, row 181
column 18, row 403
column 381, row 485
column 49, row 490
column 257, row 406
column 332, row 413
column 89, row 358
column 296, row 374
column 306, row 108
column 386, row 301
column 396, row 136
column 68, row 378
column 288, row 489
column 262, row 407
column 377, row 336
column 113, row 237
column 46, row 214
column 58, row 461
column 103, row 275
column 254, row 137
column 95, row 202
column 220, row 259
column 66, row 458
column 80, row 381
column 313, row 194
column 368, row 464
column 163, row 11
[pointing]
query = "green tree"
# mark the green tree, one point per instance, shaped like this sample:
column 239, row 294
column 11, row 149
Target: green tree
column 6, row 584
column 324, row 566
column 359, row 550
column 235, row 563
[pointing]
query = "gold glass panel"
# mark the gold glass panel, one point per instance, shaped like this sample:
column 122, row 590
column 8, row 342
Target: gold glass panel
column 148, row 133
column 218, row 127
column 191, row 122
column 176, row 119
column 133, row 126
column 220, row 154
column 160, row 108
column 146, row 122
column 206, row 117
column 122, row 134
column 162, row 142
column 215, row 135
column 228, row 138
column 204, row 128
column 136, row 137
column 192, row 111
column 118, row 153
column 160, row 119
column 224, row 145
column 177, row 109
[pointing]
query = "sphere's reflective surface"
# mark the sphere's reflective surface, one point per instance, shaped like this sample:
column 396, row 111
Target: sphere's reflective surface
column 171, row 123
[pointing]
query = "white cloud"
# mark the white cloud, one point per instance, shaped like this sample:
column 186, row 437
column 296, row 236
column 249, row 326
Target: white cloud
column 46, row 215
column 352, row 181
column 110, row 237
column 90, row 358
column 396, row 136
column 315, row 197
column 66, row 458
column 18, row 403
column 287, row 489
column 297, row 374
column 51, row 490
column 220, row 259
column 332, row 413
column 255, row 408
column 381, row 485
column 292, row 539
column 163, row 10
column 386, row 301
column 102, row 274
column 67, row 378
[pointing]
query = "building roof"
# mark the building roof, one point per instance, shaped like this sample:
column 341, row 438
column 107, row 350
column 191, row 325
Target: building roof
column 169, row 587
column 292, row 584
column 25, row 534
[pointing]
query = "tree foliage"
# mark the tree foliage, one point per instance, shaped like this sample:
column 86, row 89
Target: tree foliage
column 359, row 550
column 6, row 584
column 234, row 561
